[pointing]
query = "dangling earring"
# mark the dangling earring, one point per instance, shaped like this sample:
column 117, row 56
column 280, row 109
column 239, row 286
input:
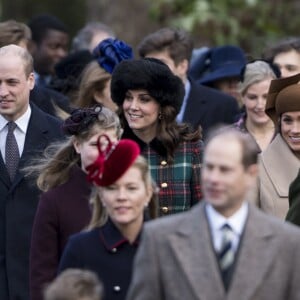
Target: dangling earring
column 160, row 116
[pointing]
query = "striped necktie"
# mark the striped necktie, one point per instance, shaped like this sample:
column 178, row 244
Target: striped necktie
column 226, row 253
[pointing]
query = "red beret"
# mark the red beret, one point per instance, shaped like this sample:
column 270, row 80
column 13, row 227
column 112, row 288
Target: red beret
column 113, row 161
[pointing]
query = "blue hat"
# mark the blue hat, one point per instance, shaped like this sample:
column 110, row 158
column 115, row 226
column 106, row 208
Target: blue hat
column 225, row 61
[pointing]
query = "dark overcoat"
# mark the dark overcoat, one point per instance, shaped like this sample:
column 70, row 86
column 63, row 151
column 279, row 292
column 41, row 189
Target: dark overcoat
column 62, row 211
column 208, row 107
column 106, row 252
column 18, row 203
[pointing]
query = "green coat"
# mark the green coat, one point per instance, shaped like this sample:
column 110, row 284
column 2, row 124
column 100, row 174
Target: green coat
column 293, row 214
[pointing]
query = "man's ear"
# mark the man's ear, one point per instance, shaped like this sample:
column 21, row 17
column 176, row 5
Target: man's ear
column 252, row 172
column 182, row 67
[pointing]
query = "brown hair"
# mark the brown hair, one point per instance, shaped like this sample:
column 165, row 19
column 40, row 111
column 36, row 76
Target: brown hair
column 75, row 284
column 177, row 42
column 13, row 32
column 59, row 158
column 249, row 147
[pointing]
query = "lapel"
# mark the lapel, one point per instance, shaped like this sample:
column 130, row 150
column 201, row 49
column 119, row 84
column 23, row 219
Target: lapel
column 195, row 102
column 257, row 251
column 273, row 158
column 36, row 140
column 193, row 248
column 4, row 177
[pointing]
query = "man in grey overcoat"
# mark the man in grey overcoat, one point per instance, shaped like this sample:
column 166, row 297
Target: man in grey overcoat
column 223, row 248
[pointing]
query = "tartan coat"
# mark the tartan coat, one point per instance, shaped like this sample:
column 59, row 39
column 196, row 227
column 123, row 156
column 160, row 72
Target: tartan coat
column 178, row 182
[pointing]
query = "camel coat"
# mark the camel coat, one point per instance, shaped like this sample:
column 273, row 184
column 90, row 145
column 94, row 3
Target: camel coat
column 278, row 167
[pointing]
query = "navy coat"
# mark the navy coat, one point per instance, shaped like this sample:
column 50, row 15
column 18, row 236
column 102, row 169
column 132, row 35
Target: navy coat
column 18, row 203
column 209, row 107
column 106, row 252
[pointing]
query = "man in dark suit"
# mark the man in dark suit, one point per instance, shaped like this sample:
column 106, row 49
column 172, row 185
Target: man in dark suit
column 33, row 131
column 201, row 105
column 223, row 248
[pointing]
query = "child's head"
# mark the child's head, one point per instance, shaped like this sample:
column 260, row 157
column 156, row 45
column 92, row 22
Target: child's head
column 75, row 284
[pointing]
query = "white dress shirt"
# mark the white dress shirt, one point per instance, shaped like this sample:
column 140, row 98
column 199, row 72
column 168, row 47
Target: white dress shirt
column 19, row 132
column 217, row 221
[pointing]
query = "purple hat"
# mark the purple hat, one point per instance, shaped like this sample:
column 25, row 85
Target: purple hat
column 225, row 61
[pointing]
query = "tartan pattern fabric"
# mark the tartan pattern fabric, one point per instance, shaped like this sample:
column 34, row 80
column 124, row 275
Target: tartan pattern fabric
column 179, row 182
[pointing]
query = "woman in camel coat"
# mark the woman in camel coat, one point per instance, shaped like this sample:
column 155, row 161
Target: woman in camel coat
column 280, row 162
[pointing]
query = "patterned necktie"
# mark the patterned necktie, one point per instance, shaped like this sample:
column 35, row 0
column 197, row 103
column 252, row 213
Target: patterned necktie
column 226, row 254
column 12, row 155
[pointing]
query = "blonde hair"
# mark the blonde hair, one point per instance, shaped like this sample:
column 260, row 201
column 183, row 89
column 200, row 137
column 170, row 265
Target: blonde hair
column 255, row 72
column 23, row 54
column 93, row 79
column 99, row 213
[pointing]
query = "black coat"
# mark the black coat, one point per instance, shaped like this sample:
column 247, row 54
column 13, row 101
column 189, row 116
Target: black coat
column 46, row 99
column 293, row 214
column 106, row 252
column 208, row 107
column 18, row 203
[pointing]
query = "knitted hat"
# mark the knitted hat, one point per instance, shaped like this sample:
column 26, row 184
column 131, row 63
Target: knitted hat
column 113, row 161
column 283, row 96
column 151, row 75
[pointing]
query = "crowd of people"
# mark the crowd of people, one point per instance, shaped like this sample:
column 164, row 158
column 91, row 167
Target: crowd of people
column 171, row 175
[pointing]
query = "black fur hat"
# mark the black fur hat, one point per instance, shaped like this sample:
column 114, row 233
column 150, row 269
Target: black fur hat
column 150, row 74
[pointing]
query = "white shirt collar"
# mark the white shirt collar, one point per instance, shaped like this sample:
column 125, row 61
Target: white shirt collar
column 236, row 221
column 21, row 122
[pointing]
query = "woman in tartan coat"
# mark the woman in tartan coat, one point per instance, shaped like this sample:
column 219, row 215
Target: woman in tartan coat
column 150, row 96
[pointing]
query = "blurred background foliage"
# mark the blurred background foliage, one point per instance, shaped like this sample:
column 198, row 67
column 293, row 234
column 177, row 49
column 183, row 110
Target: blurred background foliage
column 251, row 24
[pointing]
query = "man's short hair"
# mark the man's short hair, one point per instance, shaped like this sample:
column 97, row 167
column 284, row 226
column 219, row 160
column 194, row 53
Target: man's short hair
column 250, row 149
column 20, row 52
column 177, row 42
column 40, row 24
column 75, row 284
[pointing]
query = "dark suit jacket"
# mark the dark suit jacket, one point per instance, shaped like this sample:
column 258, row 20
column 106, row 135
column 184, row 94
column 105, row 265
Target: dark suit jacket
column 176, row 260
column 62, row 211
column 46, row 99
column 18, row 204
column 208, row 107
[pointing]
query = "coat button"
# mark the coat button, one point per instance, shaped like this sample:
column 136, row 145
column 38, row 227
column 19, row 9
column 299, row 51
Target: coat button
column 114, row 250
column 163, row 163
column 117, row 288
column 164, row 185
column 165, row 209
